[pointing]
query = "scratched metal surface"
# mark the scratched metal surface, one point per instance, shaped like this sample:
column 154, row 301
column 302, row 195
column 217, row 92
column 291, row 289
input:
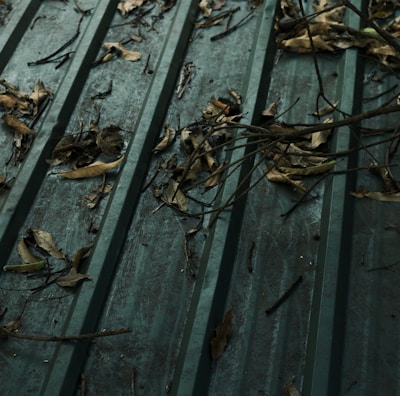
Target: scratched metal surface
column 337, row 333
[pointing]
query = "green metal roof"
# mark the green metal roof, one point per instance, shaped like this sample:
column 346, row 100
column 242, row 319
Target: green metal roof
column 154, row 270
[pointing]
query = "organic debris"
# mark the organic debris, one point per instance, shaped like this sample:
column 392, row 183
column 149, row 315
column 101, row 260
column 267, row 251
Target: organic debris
column 82, row 149
column 220, row 341
column 201, row 144
column 37, row 248
column 21, row 112
column 325, row 31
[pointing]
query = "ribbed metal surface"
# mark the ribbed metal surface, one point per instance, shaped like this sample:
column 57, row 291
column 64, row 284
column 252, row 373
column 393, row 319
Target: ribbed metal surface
column 337, row 333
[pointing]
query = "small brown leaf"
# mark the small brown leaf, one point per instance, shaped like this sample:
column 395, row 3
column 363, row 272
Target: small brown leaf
column 45, row 240
column 24, row 268
column 311, row 170
column 325, row 110
column 205, row 8
column 168, row 138
column 215, row 177
column 92, row 170
column 220, row 341
column 79, row 255
column 17, row 124
column 73, row 279
column 25, row 254
column 128, row 5
column 131, row 56
column 175, row 196
column 274, row 175
column 377, row 195
column 40, row 93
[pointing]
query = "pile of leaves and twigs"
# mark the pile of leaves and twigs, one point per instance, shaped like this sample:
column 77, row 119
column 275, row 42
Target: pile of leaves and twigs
column 38, row 253
column 290, row 153
column 139, row 12
column 325, row 31
column 21, row 112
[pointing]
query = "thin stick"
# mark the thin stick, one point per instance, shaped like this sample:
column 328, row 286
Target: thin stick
column 284, row 296
column 103, row 333
column 231, row 29
column 48, row 58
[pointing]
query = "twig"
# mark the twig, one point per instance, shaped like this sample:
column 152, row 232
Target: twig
column 103, row 333
column 249, row 260
column 231, row 29
column 48, row 58
column 284, row 296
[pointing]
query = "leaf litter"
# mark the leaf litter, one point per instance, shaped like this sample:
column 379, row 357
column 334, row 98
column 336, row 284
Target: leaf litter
column 37, row 248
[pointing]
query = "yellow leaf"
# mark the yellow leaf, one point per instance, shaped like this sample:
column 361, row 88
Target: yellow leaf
column 92, row 170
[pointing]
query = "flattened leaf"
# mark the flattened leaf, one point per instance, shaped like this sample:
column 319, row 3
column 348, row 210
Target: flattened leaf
column 215, row 177
column 274, row 175
column 24, row 268
column 92, row 170
column 73, row 279
column 321, row 137
column 132, row 56
column 377, row 195
column 45, row 240
column 175, row 196
column 79, row 255
column 40, row 93
column 127, row 6
column 325, row 110
column 220, row 341
column 16, row 124
column 311, row 170
column 205, row 9
column 25, row 254
column 168, row 138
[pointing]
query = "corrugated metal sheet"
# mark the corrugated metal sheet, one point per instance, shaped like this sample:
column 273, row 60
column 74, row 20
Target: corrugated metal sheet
column 337, row 332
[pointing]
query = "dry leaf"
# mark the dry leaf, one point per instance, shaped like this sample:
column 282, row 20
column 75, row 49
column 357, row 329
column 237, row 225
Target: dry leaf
column 128, row 5
column 325, row 110
column 73, row 279
column 175, row 196
column 168, row 138
column 205, row 8
column 92, row 170
column 79, row 255
column 274, row 175
column 45, row 240
column 311, row 170
column 271, row 110
column 220, row 341
column 18, row 125
column 24, row 268
column 377, row 195
column 321, row 137
column 40, row 93
column 290, row 389
column 131, row 56
column 8, row 101
column 25, row 254
column 215, row 177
